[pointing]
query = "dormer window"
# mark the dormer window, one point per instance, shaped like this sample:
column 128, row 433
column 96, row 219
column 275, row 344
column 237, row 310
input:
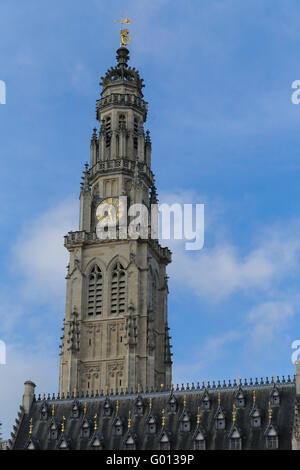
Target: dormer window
column 255, row 419
column 199, row 441
column 96, row 443
column 240, row 400
column 164, row 442
column 139, row 407
column 205, row 404
column 130, row 443
column 185, row 424
column 107, row 408
column 151, row 425
column 235, row 440
column 272, row 438
column 220, row 420
column 85, row 429
column 53, row 431
column 172, row 404
column 118, row 427
column 275, row 397
column 75, row 410
column 44, row 412
column 63, row 444
column 235, row 444
column 272, row 442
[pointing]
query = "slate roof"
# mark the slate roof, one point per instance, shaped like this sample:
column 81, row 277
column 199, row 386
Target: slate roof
column 101, row 433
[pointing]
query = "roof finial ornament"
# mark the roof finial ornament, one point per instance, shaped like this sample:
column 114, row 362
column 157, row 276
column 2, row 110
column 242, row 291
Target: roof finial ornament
column 63, row 424
column 198, row 415
column 95, row 422
column 163, row 418
column 219, row 398
column 150, row 403
column 270, row 412
column 117, row 407
column 84, row 408
column 52, row 411
column 129, row 419
column 254, row 396
column 30, row 426
column 124, row 32
column 234, row 413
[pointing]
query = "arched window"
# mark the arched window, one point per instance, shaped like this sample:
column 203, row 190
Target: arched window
column 108, row 131
column 122, row 121
column 95, row 291
column 135, row 134
column 118, row 290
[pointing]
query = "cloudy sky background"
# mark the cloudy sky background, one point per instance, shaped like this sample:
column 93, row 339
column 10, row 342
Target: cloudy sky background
column 225, row 133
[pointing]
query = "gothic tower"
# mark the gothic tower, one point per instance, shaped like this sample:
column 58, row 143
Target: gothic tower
column 116, row 335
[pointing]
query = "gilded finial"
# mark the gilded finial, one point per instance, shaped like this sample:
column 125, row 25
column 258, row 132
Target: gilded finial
column 254, row 396
column 198, row 415
column 30, row 426
column 273, row 379
column 161, row 385
column 234, row 413
column 172, row 386
column 129, row 419
column 52, row 410
column 44, row 395
column 84, row 408
column 219, row 398
column 163, row 418
column 117, row 406
column 124, row 32
column 74, row 392
column 150, row 403
column 239, row 380
column 63, row 424
column 138, row 388
column 95, row 422
column 270, row 411
column 184, row 401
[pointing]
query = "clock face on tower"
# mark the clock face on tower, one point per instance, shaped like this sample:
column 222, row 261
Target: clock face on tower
column 109, row 210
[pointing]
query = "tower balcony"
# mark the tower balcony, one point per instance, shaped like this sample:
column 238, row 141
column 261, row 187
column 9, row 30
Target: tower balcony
column 121, row 99
column 120, row 164
column 74, row 239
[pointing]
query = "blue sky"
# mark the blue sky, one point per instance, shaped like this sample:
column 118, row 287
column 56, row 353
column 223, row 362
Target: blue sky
column 224, row 131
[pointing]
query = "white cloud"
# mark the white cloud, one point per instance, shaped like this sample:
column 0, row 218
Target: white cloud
column 219, row 272
column 39, row 252
column 268, row 320
column 24, row 365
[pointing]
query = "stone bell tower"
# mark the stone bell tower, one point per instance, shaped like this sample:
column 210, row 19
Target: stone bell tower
column 116, row 334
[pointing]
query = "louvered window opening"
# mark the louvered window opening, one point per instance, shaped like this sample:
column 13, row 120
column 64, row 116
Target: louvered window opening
column 95, row 292
column 118, row 286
